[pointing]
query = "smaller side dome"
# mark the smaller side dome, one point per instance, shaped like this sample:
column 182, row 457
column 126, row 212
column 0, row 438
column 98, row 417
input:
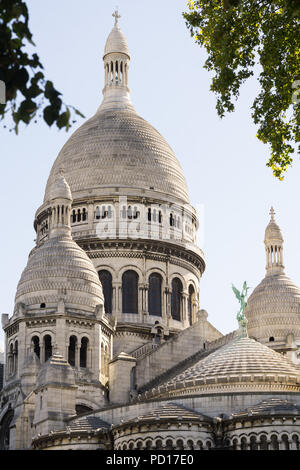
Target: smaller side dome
column 116, row 41
column 59, row 271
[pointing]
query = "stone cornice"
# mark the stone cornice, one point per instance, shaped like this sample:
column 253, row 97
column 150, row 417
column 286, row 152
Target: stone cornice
column 157, row 250
column 221, row 388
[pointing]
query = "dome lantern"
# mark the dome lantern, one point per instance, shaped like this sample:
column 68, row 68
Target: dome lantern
column 274, row 247
column 116, row 64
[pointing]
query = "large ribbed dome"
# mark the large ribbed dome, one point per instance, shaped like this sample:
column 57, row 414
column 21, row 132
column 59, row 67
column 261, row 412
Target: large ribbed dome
column 60, row 269
column 117, row 148
column 242, row 361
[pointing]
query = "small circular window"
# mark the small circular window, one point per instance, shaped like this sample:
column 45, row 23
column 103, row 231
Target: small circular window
column 271, row 338
column 43, row 305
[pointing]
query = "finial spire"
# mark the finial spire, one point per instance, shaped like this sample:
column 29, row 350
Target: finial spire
column 274, row 247
column 116, row 58
column 116, row 16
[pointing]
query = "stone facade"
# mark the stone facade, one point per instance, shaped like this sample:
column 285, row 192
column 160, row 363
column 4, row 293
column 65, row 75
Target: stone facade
column 107, row 347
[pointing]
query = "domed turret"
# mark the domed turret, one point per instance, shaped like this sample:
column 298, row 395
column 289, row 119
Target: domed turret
column 59, row 269
column 274, row 305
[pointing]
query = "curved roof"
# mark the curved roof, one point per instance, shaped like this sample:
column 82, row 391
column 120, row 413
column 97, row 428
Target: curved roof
column 117, row 148
column 116, row 42
column 272, row 406
column 60, row 190
column 242, row 361
column 166, row 412
column 273, row 232
column 274, row 294
column 60, row 269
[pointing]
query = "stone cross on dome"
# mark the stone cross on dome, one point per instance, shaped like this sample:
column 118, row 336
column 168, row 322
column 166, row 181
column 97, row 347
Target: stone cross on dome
column 116, row 16
column 272, row 213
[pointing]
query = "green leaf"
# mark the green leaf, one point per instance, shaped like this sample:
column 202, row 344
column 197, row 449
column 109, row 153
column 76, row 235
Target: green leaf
column 50, row 115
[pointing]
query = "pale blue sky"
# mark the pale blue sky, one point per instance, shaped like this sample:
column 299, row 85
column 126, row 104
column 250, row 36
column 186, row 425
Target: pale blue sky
column 223, row 162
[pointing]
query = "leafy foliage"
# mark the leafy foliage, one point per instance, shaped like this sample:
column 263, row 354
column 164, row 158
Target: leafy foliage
column 240, row 34
column 27, row 90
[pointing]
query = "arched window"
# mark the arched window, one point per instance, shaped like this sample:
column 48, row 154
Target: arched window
column 154, row 294
column 190, row 305
column 48, row 347
column 36, row 346
column 274, row 442
column 130, row 281
column 285, row 442
column 83, row 352
column 176, row 299
column 253, row 443
column 123, row 212
column 72, row 350
column 263, row 443
column 169, row 445
column 11, row 359
column 106, row 281
column 5, row 430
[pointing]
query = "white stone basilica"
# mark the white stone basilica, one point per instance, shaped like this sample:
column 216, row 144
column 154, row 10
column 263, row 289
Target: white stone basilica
column 107, row 347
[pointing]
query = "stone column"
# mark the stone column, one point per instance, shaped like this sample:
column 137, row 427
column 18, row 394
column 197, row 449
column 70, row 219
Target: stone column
column 77, row 355
column 42, row 351
column 90, row 215
column 184, row 299
column 89, row 364
column 168, row 293
column 118, row 298
column 67, row 351
column 113, row 301
column 146, row 292
column 140, row 302
column 22, row 335
column 60, row 339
